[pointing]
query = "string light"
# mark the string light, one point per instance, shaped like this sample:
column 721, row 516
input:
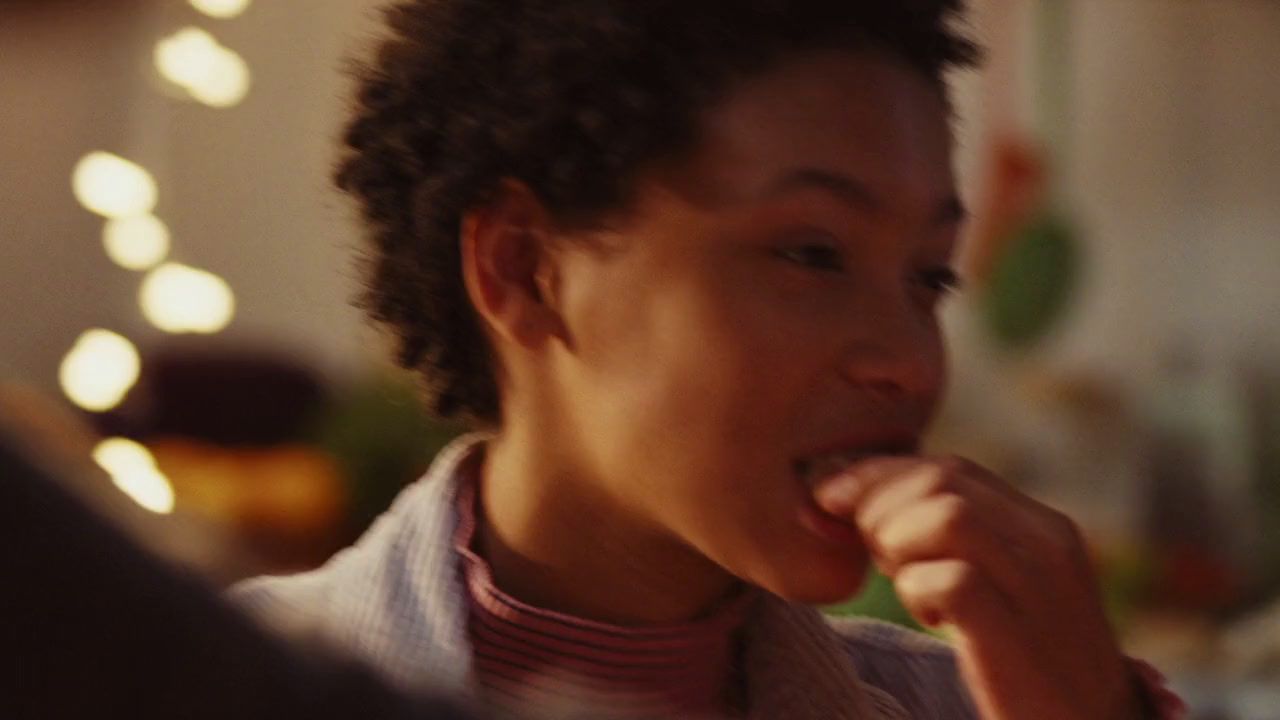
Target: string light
column 133, row 470
column 227, row 84
column 99, row 370
column 103, row 366
column 136, row 243
column 194, row 60
column 113, row 187
column 181, row 299
column 221, row 9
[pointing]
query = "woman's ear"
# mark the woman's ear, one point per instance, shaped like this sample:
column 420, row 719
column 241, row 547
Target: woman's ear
column 509, row 265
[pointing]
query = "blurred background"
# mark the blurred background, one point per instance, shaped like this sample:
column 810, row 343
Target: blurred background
column 176, row 276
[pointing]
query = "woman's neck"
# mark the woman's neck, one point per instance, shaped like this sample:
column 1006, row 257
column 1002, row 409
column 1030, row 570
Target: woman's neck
column 555, row 540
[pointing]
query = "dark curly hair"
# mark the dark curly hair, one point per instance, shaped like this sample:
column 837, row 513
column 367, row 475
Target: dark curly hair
column 572, row 98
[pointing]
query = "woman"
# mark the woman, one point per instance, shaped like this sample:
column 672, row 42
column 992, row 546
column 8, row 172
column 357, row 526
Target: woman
column 681, row 264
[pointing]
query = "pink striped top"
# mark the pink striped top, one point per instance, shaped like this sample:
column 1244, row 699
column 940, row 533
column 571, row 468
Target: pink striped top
column 527, row 655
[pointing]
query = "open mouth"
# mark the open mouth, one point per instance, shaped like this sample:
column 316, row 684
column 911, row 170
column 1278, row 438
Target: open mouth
column 813, row 469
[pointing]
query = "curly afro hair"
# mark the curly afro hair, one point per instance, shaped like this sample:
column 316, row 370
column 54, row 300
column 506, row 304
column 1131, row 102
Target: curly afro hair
column 571, row 97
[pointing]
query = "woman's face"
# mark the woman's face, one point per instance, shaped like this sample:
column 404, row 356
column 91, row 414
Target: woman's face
column 768, row 302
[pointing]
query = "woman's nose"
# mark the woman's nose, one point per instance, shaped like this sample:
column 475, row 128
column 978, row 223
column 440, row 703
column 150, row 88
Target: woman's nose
column 896, row 354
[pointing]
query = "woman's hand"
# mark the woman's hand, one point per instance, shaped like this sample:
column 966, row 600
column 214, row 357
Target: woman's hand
column 1012, row 576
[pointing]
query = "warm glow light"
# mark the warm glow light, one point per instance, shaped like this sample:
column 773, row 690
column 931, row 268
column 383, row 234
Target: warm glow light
column 136, row 243
column 186, row 56
column 210, row 73
column 112, row 186
column 100, row 368
column 227, row 82
column 133, row 470
column 221, row 9
column 181, row 299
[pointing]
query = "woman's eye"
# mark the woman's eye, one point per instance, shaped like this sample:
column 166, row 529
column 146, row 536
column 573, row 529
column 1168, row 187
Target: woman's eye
column 813, row 255
column 941, row 280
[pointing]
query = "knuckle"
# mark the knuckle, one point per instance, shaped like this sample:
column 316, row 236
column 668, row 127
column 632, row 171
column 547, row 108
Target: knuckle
column 936, row 480
column 1066, row 541
column 950, row 587
column 957, row 517
column 960, row 584
column 958, row 465
column 954, row 463
column 951, row 473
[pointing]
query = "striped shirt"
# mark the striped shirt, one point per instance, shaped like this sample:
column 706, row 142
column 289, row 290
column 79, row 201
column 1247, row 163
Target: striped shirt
column 399, row 600
column 527, row 654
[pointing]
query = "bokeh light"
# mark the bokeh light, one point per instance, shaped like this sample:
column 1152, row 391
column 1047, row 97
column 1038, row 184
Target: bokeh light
column 221, row 9
column 136, row 243
column 99, row 370
column 133, row 470
column 227, row 83
column 181, row 299
column 210, row 73
column 113, row 187
column 186, row 56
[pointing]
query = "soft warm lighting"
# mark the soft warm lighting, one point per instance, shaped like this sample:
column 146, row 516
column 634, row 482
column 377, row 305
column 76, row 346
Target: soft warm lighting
column 136, row 243
column 100, row 368
column 227, row 82
column 133, row 469
column 181, row 299
column 221, row 9
column 210, row 73
column 112, row 186
column 186, row 56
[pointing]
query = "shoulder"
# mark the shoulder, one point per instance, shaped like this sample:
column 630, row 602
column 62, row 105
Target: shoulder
column 395, row 597
column 916, row 670
column 408, row 547
column 325, row 601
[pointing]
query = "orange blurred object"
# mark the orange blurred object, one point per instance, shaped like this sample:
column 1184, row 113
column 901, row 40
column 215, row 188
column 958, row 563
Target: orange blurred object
column 289, row 503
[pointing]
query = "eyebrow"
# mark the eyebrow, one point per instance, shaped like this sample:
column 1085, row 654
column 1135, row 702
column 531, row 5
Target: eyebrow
column 951, row 211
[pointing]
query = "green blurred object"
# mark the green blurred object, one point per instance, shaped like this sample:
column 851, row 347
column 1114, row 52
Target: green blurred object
column 879, row 601
column 1126, row 576
column 1031, row 284
column 383, row 438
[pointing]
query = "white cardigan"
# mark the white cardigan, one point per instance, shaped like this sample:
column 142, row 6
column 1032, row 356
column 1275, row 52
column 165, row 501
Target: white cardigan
column 396, row 599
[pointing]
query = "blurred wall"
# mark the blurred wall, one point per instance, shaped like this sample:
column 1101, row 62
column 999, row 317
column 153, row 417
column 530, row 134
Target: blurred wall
column 68, row 76
column 244, row 190
column 1174, row 170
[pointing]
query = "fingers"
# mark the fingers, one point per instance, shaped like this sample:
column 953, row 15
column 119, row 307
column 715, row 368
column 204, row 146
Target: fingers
column 999, row 644
column 965, row 549
column 877, row 486
column 916, row 509
column 992, row 645
column 941, row 527
column 954, row 592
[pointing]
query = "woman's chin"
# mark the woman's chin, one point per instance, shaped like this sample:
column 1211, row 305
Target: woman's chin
column 825, row 580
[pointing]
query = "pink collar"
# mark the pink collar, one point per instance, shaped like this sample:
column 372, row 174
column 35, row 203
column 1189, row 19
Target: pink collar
column 524, row 653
